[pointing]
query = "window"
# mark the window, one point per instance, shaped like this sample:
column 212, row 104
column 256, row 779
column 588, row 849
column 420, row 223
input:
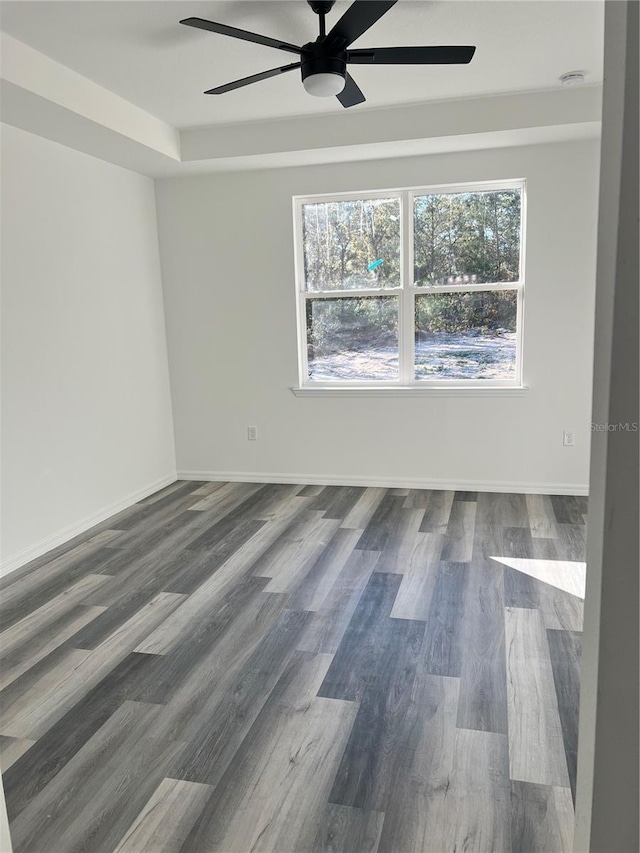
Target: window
column 411, row 288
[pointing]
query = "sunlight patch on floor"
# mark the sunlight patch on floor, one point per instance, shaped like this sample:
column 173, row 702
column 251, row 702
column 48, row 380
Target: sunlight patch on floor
column 566, row 575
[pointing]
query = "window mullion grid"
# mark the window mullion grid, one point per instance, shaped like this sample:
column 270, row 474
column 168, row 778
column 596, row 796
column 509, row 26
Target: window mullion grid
column 406, row 293
column 469, row 288
column 355, row 293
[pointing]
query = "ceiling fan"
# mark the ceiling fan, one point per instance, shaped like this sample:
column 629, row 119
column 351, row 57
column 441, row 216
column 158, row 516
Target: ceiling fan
column 323, row 62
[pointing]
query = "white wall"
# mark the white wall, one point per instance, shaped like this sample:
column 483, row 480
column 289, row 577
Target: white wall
column 86, row 421
column 227, row 258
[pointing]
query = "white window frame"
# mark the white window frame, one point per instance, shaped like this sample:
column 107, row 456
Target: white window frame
column 406, row 294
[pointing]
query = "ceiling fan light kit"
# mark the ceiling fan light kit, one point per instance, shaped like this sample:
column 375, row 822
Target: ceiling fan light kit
column 323, row 84
column 323, row 62
column 323, row 75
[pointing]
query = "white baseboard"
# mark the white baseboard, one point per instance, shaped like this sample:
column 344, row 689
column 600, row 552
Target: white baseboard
column 89, row 521
column 78, row 527
column 390, row 482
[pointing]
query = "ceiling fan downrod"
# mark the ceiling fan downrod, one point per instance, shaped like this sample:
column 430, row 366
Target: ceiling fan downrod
column 322, row 8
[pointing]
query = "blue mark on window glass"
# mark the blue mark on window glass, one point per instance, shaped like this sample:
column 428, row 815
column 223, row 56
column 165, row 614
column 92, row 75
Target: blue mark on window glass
column 374, row 264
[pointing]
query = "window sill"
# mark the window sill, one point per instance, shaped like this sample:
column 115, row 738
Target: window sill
column 412, row 391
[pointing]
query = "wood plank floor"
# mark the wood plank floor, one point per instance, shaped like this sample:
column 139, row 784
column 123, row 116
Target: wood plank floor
column 233, row 667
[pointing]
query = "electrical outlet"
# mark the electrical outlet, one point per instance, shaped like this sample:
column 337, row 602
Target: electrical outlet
column 252, row 433
column 568, row 438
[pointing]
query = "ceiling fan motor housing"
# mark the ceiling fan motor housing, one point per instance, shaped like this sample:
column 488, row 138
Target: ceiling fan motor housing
column 315, row 60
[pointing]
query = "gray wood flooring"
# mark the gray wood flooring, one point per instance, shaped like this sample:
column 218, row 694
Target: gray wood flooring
column 233, row 667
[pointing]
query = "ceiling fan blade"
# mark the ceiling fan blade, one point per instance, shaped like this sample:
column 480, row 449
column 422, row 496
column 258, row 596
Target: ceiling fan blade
column 351, row 94
column 245, row 35
column 254, row 78
column 445, row 55
column 361, row 15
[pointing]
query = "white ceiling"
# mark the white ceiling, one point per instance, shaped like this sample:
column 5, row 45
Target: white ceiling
column 140, row 52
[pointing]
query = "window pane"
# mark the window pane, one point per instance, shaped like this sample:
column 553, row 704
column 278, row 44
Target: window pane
column 463, row 238
column 351, row 244
column 466, row 335
column 352, row 338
